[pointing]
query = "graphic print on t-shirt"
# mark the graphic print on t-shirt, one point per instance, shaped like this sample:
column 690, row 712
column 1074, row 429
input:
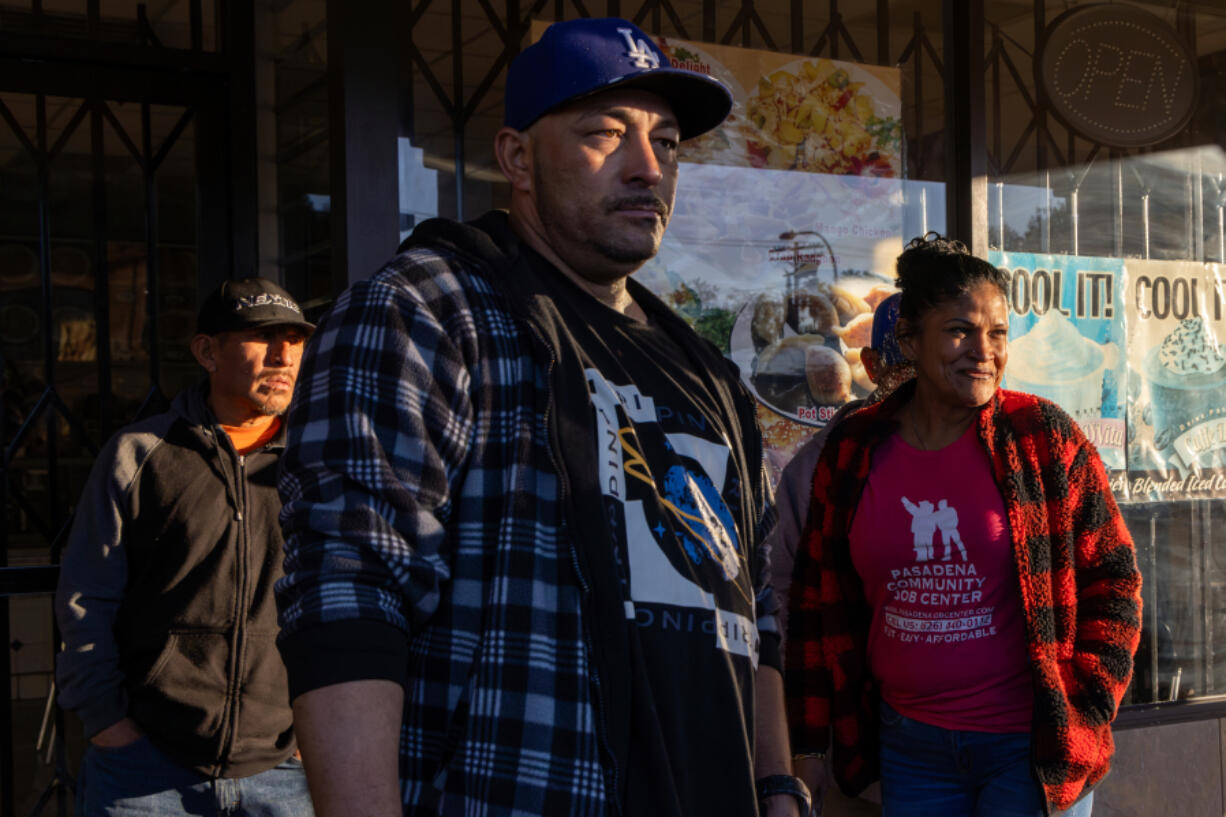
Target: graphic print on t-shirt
column 930, row 540
column 926, row 519
column 930, row 601
column 682, row 553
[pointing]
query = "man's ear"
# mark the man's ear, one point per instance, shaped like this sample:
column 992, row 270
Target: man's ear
column 204, row 349
column 514, row 151
column 870, row 359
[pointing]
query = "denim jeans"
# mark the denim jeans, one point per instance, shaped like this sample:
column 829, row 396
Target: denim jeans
column 927, row 771
column 138, row 780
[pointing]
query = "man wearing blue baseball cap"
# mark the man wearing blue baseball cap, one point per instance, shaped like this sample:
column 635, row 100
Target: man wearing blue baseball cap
column 887, row 368
column 524, row 501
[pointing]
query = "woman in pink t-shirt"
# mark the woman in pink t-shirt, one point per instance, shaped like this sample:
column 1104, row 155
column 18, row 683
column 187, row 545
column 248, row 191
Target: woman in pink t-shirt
column 966, row 603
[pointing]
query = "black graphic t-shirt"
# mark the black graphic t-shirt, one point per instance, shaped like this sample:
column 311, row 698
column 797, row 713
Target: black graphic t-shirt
column 671, row 508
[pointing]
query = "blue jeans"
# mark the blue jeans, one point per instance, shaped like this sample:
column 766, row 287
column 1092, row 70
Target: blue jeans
column 927, row 771
column 138, row 780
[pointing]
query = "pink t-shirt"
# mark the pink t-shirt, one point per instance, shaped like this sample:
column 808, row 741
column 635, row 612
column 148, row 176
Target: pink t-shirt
column 930, row 541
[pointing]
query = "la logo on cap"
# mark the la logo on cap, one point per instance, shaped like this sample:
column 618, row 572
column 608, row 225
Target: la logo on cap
column 640, row 54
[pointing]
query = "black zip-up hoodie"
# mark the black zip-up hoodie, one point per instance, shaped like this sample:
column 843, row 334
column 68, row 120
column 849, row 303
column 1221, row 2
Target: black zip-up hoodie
column 165, row 598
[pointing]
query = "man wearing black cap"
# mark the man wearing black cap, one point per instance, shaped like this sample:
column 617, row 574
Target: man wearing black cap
column 165, row 598
column 524, row 502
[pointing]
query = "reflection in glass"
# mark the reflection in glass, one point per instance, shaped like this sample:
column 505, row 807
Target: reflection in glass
column 1163, row 205
column 1183, row 644
column 304, row 213
column 166, row 24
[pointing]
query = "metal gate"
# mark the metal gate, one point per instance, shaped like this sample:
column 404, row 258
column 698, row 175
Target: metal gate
column 122, row 200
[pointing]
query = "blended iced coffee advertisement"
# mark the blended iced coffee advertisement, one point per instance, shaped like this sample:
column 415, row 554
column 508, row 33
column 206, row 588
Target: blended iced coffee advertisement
column 1066, row 342
column 1177, row 380
column 787, row 222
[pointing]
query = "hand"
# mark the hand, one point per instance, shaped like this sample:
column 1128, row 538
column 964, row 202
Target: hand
column 117, row 735
column 813, row 771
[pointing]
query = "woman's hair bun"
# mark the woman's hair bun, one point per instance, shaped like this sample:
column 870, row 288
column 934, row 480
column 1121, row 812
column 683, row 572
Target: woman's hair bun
column 937, row 243
column 934, row 268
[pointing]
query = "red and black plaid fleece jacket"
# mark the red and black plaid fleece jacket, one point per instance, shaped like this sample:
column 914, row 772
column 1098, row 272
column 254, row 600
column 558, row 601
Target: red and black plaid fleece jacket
column 1078, row 579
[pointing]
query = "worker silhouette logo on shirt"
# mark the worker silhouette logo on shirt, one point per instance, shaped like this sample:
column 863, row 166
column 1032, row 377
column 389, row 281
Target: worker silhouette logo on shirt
column 926, row 520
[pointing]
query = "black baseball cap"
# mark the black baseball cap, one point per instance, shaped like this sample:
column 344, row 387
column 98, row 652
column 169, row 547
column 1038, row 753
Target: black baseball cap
column 249, row 303
column 577, row 58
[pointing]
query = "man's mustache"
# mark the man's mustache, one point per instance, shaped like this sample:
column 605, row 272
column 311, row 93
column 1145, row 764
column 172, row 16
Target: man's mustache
column 646, row 201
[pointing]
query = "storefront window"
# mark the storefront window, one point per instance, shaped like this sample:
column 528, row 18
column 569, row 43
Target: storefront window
column 98, row 296
column 292, row 82
column 1115, row 254
column 456, row 104
column 183, row 24
column 773, row 219
column 788, row 217
column 101, row 228
column 1179, row 545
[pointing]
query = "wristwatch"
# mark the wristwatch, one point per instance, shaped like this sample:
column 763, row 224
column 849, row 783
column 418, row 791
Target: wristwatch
column 774, row 784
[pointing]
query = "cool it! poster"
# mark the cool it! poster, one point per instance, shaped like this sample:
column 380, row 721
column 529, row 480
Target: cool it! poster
column 1177, row 380
column 1066, row 341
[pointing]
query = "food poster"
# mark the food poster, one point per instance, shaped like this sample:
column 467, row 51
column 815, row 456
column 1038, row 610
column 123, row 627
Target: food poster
column 1177, row 379
column 787, row 222
column 1066, row 342
column 792, row 312
column 797, row 113
column 789, row 112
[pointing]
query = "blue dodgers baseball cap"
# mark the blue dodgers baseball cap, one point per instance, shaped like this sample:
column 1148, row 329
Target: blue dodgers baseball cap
column 885, row 317
column 578, row 58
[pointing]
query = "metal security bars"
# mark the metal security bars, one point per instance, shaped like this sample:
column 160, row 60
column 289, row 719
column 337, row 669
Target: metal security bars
column 125, row 190
column 59, row 399
column 1127, row 192
column 457, row 53
column 184, row 25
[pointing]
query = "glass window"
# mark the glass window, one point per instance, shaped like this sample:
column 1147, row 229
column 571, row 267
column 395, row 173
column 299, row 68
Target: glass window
column 457, row 108
column 1182, row 653
column 119, row 203
column 784, row 207
column 182, row 24
column 1138, row 235
column 297, row 183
